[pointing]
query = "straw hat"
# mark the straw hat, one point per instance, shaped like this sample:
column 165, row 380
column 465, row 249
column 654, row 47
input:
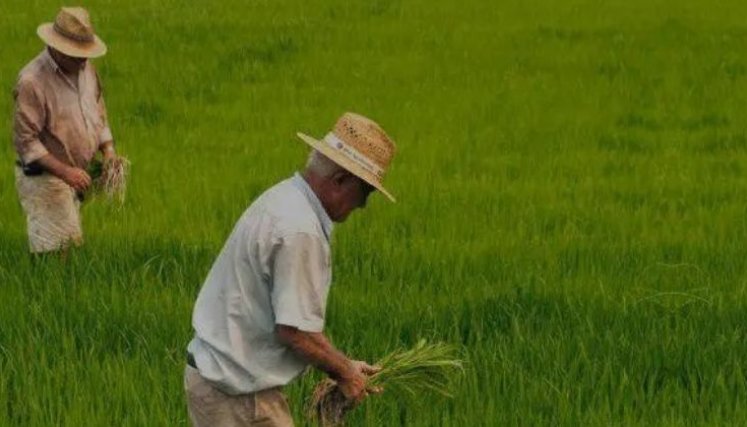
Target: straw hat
column 360, row 146
column 72, row 34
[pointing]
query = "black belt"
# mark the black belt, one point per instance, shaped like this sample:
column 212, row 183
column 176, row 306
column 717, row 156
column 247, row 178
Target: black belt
column 191, row 360
column 30, row 170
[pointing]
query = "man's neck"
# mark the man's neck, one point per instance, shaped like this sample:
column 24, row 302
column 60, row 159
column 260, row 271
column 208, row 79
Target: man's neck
column 316, row 185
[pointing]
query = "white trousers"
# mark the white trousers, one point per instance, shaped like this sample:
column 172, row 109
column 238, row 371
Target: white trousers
column 52, row 212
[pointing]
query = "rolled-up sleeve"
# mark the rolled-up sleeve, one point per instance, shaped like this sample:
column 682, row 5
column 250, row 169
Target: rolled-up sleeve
column 105, row 135
column 28, row 122
column 300, row 282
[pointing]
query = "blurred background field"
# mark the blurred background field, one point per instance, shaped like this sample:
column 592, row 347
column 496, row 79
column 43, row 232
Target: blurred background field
column 571, row 180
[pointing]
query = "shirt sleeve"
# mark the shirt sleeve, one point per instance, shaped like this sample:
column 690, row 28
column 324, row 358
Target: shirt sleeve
column 106, row 133
column 300, row 282
column 28, row 121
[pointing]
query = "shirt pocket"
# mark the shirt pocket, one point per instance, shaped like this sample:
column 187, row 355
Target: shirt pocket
column 90, row 108
column 68, row 126
column 64, row 112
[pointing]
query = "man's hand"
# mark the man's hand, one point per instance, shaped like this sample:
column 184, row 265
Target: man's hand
column 353, row 385
column 107, row 150
column 76, row 178
column 368, row 370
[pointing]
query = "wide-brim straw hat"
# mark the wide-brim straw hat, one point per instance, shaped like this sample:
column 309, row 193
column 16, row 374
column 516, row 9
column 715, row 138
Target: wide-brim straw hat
column 72, row 34
column 360, row 146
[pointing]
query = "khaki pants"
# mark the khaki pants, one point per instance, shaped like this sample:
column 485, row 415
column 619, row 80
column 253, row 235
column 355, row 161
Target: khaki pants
column 210, row 407
column 52, row 212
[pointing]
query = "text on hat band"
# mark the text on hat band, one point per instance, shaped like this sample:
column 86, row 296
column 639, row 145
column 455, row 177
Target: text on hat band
column 351, row 153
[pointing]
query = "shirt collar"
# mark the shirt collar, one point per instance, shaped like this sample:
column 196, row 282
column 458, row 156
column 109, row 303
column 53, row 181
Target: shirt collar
column 316, row 204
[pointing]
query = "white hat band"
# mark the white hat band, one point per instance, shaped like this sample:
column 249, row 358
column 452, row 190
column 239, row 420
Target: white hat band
column 354, row 155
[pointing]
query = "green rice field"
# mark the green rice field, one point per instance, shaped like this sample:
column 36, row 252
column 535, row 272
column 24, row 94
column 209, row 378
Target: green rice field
column 572, row 204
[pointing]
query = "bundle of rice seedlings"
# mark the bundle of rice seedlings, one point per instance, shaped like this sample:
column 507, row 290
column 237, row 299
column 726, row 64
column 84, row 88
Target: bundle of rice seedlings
column 110, row 177
column 424, row 368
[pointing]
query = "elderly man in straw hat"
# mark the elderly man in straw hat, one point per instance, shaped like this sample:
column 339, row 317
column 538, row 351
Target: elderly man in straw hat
column 259, row 317
column 59, row 123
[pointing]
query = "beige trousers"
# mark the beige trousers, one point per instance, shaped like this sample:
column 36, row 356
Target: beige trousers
column 52, row 212
column 210, row 407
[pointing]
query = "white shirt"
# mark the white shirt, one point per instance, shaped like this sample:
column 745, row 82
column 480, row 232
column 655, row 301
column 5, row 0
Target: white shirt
column 274, row 269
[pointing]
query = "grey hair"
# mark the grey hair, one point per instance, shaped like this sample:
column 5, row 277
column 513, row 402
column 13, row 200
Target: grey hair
column 321, row 165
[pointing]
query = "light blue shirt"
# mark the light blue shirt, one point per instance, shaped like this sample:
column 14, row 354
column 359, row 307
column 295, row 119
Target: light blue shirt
column 274, row 269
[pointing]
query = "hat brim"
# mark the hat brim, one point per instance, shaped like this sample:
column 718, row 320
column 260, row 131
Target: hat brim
column 69, row 47
column 345, row 163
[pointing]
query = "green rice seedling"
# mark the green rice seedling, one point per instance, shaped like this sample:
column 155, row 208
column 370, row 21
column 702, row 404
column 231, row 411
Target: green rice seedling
column 110, row 177
column 423, row 368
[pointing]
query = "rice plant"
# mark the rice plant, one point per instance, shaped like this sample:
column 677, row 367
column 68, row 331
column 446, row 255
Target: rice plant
column 405, row 373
